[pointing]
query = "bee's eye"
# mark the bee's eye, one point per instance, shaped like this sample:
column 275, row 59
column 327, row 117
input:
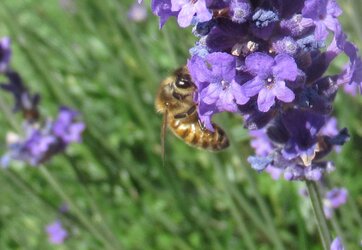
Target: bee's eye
column 183, row 83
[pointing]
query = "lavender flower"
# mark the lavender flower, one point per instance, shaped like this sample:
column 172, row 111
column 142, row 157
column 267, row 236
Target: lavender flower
column 137, row 12
column 217, row 82
column 5, row 53
column 188, row 9
column 65, row 126
column 56, row 233
column 337, row 244
column 267, row 61
column 333, row 200
column 270, row 76
column 40, row 140
column 40, row 144
column 324, row 14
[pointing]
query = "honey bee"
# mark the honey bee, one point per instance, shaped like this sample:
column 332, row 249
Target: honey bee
column 175, row 101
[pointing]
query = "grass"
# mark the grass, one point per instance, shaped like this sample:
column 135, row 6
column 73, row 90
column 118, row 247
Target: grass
column 122, row 196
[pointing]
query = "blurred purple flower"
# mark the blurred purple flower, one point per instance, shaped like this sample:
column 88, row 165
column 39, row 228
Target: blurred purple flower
column 260, row 142
column 56, row 233
column 188, row 9
column 40, row 144
column 162, row 9
column 337, row 244
column 333, row 200
column 270, row 76
column 5, row 53
column 66, row 128
column 137, row 12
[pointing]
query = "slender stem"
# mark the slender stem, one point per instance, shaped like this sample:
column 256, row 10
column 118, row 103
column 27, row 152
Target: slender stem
column 319, row 214
column 85, row 221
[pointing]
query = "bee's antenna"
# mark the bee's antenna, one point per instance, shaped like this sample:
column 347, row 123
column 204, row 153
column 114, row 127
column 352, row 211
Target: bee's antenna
column 163, row 135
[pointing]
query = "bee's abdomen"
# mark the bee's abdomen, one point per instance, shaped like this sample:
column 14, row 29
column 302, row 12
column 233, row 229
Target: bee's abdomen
column 194, row 135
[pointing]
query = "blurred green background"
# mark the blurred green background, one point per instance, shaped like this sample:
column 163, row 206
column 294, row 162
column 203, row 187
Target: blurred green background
column 88, row 55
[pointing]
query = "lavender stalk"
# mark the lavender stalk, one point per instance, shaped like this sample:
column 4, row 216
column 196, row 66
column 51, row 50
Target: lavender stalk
column 319, row 214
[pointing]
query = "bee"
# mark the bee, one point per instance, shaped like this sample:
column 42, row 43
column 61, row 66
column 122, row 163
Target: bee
column 175, row 100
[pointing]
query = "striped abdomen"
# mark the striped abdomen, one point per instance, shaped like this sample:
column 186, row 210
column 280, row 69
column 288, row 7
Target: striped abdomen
column 193, row 134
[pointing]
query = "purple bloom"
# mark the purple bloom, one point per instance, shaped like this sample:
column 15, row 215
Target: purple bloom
column 270, row 76
column 324, row 14
column 296, row 25
column 162, row 8
column 65, row 127
column 216, row 79
column 240, row 10
column 274, row 172
column 337, row 244
column 330, row 128
column 260, row 142
column 137, row 12
column 56, row 233
column 5, row 53
column 37, row 145
column 333, row 200
column 40, row 144
column 187, row 9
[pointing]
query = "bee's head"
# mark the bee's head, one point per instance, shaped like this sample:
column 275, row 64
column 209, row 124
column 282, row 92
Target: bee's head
column 183, row 82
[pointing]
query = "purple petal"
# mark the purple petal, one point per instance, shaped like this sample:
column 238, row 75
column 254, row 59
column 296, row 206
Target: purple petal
column 265, row 99
column 226, row 102
column 211, row 93
column 238, row 92
column 162, row 8
column 203, row 14
column 285, row 68
column 282, row 92
column 252, row 87
column 197, row 69
column 259, row 64
column 186, row 14
column 222, row 66
column 321, row 32
column 333, row 8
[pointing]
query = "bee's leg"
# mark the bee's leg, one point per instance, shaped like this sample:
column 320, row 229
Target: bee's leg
column 188, row 113
column 202, row 126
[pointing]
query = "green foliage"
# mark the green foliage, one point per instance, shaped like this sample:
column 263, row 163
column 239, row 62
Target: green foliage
column 95, row 60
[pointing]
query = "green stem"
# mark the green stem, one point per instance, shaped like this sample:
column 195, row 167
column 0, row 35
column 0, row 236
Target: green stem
column 85, row 221
column 319, row 214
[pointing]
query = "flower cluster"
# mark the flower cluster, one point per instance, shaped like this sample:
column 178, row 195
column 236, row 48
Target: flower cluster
column 40, row 139
column 267, row 61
